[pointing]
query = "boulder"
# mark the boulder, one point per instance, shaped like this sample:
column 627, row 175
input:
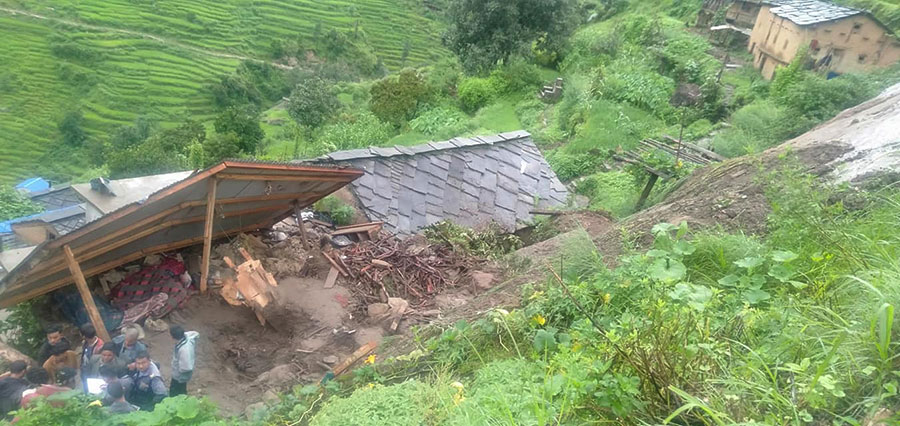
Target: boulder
column 483, row 280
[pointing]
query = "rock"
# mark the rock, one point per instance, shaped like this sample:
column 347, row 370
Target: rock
column 448, row 301
column 10, row 354
column 483, row 280
column 153, row 259
column 156, row 325
column 251, row 409
column 378, row 310
column 278, row 376
column 331, row 359
column 270, row 397
column 278, row 236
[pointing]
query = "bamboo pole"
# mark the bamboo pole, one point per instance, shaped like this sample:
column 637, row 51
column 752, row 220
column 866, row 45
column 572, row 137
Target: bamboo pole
column 207, row 232
column 86, row 296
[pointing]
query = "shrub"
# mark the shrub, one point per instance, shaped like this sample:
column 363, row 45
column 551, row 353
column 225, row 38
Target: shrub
column 637, row 84
column 441, row 123
column 312, row 102
column 516, row 77
column 352, row 132
column 401, row 404
column 243, row 123
column 397, row 98
column 14, row 204
column 475, row 93
column 340, row 212
column 615, row 192
column 70, row 127
column 571, row 166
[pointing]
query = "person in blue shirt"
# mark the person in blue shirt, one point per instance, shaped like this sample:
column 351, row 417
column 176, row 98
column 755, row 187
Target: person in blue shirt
column 148, row 388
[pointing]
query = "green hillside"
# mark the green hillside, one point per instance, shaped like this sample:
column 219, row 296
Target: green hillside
column 115, row 61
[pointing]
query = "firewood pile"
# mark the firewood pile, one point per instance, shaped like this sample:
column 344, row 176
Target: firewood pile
column 411, row 269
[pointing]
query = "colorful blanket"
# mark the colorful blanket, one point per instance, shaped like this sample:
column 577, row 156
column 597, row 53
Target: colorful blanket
column 142, row 285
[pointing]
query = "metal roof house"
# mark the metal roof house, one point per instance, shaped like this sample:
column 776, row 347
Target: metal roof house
column 194, row 208
column 469, row 181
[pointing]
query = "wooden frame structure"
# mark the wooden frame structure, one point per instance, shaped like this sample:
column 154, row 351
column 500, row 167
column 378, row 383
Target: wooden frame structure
column 224, row 200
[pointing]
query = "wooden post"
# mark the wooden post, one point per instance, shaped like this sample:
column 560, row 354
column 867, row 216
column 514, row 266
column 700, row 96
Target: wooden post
column 300, row 224
column 646, row 193
column 86, row 296
column 207, row 232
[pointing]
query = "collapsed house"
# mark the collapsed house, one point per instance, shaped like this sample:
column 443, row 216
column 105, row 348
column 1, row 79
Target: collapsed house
column 469, row 181
column 124, row 224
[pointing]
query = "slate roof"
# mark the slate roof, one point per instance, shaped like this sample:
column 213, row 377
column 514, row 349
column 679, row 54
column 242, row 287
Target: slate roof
column 469, row 181
column 65, row 220
column 808, row 12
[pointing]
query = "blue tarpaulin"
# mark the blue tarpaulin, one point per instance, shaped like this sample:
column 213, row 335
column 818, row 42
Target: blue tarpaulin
column 35, row 184
column 72, row 307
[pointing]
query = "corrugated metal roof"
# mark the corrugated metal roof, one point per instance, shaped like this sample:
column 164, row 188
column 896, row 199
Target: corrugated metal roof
column 127, row 191
column 808, row 12
column 249, row 195
column 469, row 181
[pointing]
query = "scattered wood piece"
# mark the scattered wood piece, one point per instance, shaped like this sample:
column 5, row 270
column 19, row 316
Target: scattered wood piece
column 358, row 228
column 254, row 286
column 320, row 223
column 332, row 277
column 380, row 262
column 304, row 351
column 335, row 264
column 359, row 353
column 396, row 322
column 546, row 212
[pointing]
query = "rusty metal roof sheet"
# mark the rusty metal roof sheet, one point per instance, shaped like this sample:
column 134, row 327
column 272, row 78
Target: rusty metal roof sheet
column 808, row 12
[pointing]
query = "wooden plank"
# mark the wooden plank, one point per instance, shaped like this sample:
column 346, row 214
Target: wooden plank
column 546, row 212
column 86, row 296
column 357, row 229
column 705, row 152
column 335, row 264
column 208, row 232
column 297, row 212
column 646, row 193
column 282, row 178
column 359, row 353
column 332, row 277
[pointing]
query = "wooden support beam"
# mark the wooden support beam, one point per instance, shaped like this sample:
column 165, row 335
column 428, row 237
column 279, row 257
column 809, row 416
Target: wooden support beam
column 289, row 178
column 86, row 296
column 297, row 211
column 646, row 193
column 208, row 232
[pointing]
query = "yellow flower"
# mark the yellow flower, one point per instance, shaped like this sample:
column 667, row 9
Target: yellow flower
column 607, row 297
column 370, row 359
column 458, row 398
column 459, row 386
column 371, row 385
column 539, row 319
column 96, row 403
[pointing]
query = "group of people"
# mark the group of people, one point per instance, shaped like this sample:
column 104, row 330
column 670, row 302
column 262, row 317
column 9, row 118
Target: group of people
column 121, row 373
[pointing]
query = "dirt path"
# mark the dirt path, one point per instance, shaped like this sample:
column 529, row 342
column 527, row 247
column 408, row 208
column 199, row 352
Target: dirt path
column 162, row 40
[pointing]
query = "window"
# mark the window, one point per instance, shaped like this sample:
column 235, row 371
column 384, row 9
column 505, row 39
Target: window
column 862, row 58
column 856, row 27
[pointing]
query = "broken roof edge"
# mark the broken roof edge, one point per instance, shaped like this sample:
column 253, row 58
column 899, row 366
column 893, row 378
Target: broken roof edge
column 42, row 250
column 428, row 147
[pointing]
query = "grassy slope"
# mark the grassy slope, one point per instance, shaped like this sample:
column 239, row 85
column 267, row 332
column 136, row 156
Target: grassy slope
column 138, row 76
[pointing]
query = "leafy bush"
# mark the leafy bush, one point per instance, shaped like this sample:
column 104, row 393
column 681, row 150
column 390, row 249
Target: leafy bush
column 406, row 403
column 570, row 166
column 488, row 243
column 14, row 204
column 352, row 132
column 22, row 327
column 637, row 84
column 441, row 123
column 312, row 102
column 70, row 127
column 396, row 99
column 474, row 93
column 341, row 213
column 243, row 123
column 615, row 192
column 516, row 77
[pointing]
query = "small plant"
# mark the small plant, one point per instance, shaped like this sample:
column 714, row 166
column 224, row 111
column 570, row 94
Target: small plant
column 489, row 243
column 340, row 212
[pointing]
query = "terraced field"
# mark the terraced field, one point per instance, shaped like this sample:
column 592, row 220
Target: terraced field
column 155, row 59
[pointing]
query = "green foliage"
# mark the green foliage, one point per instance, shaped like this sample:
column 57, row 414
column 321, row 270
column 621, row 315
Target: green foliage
column 243, row 123
column 70, row 127
column 173, row 411
column 402, row 404
column 354, row 132
column 516, row 77
column 615, row 192
column 637, row 84
column 14, row 204
column 441, row 123
column 218, row 147
column 474, row 93
column 163, row 152
column 570, row 166
column 23, row 328
column 491, row 242
column 396, row 99
column 251, row 83
column 312, row 102
column 484, row 33
column 340, row 212
column 72, row 408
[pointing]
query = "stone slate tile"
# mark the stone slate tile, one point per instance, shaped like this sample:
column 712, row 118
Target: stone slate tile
column 506, row 199
column 486, row 199
column 488, row 179
column 464, row 142
column 506, row 219
column 420, row 149
column 350, row 154
column 518, row 134
column 528, row 185
column 404, row 150
column 441, row 145
column 491, row 139
column 451, row 201
column 404, row 226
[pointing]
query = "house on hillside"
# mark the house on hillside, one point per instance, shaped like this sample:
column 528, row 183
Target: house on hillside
column 468, row 181
column 740, row 13
column 840, row 39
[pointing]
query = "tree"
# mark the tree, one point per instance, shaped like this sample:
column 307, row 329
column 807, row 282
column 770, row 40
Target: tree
column 165, row 151
column 70, row 128
column 485, row 32
column 312, row 103
column 14, row 204
column 221, row 146
column 243, row 122
column 396, row 98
